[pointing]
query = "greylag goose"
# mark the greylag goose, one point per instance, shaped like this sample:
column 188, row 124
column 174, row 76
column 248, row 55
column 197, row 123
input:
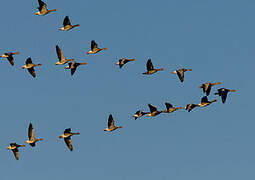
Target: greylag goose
column 111, row 126
column 205, row 102
column 67, row 25
column 73, row 65
column 189, row 107
column 151, row 69
column 94, row 48
column 180, row 73
column 14, row 147
column 207, row 87
column 43, row 9
column 9, row 56
column 30, row 66
column 61, row 57
column 223, row 92
column 31, row 137
column 153, row 111
column 67, row 138
column 139, row 114
column 170, row 108
column 123, row 61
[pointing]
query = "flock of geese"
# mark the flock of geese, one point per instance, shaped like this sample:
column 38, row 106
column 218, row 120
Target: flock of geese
column 72, row 65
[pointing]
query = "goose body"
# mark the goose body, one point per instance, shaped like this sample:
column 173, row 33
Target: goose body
column 111, row 126
column 153, row 111
column 73, row 66
column 9, row 56
column 67, row 25
column 123, row 61
column 151, row 69
column 207, row 87
column 67, row 138
column 31, row 137
column 205, row 102
column 14, row 147
column 223, row 93
column 43, row 9
column 170, row 108
column 30, row 66
column 94, row 48
column 180, row 73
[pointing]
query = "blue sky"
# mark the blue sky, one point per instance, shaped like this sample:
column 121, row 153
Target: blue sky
column 214, row 38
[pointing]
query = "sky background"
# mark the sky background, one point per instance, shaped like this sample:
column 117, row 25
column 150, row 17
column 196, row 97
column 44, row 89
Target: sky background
column 214, row 38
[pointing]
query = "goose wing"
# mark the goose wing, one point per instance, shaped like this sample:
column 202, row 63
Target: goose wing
column 31, row 135
column 93, row 45
column 29, row 61
column 68, row 130
column 204, row 99
column 110, row 122
column 42, row 5
column 180, row 74
column 60, row 54
column 168, row 106
column 149, row 65
column 66, row 21
column 16, row 153
column 152, row 108
column 11, row 59
column 32, row 71
column 68, row 142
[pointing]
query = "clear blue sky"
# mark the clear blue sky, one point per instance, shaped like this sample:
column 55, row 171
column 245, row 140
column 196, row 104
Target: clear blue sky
column 214, row 38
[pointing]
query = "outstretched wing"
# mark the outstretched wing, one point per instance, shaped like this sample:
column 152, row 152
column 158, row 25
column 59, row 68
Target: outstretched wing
column 68, row 130
column 11, row 59
column 42, row 5
column 29, row 61
column 110, row 121
column 31, row 135
column 152, row 108
column 224, row 95
column 149, row 65
column 32, row 71
column 204, row 99
column 66, row 21
column 93, row 45
column 180, row 74
column 68, row 142
column 168, row 106
column 16, row 153
column 60, row 54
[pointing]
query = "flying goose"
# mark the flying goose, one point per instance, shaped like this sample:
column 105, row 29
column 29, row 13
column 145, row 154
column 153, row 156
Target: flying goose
column 30, row 66
column 153, row 111
column 111, row 126
column 205, row 102
column 32, row 140
column 67, row 25
column 123, row 61
column 43, row 9
column 207, row 87
column 67, row 137
column 61, row 57
column 189, row 107
column 223, row 92
column 9, row 56
column 151, row 69
column 94, row 48
column 170, row 108
column 139, row 114
column 180, row 73
column 73, row 65
column 14, row 147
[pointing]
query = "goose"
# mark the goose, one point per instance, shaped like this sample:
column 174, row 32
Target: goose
column 223, row 92
column 189, row 107
column 61, row 57
column 32, row 140
column 30, row 66
column 207, row 87
column 73, row 65
column 153, row 111
column 67, row 25
column 139, row 114
column 111, row 126
column 9, row 56
column 170, row 108
column 150, row 68
column 205, row 102
column 180, row 73
column 43, row 9
column 14, row 147
column 123, row 61
column 94, row 48
column 67, row 138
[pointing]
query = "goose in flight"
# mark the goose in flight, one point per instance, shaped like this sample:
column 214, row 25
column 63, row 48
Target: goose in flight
column 207, row 87
column 151, row 69
column 111, row 126
column 67, row 25
column 205, row 102
column 180, row 73
column 61, row 57
column 73, row 65
column 189, row 107
column 31, row 137
column 43, row 8
column 170, row 108
column 67, row 138
column 123, row 61
column 139, row 114
column 14, row 147
column 153, row 111
column 30, row 66
column 223, row 92
column 9, row 56
column 94, row 48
